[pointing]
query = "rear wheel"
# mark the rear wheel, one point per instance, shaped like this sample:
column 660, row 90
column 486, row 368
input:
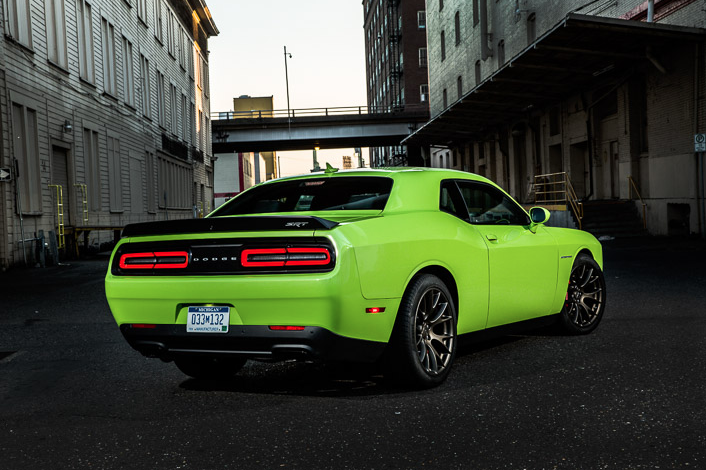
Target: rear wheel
column 210, row 367
column 585, row 297
column 423, row 343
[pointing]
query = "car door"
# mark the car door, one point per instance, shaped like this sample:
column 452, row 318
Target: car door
column 522, row 262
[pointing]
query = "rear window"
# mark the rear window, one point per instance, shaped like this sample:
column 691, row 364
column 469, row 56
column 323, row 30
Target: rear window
column 315, row 194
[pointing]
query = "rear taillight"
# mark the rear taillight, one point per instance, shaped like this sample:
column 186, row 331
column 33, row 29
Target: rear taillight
column 283, row 257
column 155, row 260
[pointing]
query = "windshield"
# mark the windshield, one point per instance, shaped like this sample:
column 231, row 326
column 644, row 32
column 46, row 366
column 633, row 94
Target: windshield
column 313, row 194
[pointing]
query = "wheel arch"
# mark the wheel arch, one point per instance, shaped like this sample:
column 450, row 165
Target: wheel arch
column 442, row 273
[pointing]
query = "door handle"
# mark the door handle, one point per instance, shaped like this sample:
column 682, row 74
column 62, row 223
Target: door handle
column 492, row 237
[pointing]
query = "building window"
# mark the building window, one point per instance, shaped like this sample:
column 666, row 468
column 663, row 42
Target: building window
column 142, row 10
column 501, row 53
column 161, row 100
column 190, row 55
column 183, row 50
column 84, row 20
column 171, row 35
column 18, row 21
column 445, row 98
column 92, row 162
column 145, row 92
column 128, row 73
column 56, row 32
column 158, row 21
column 197, row 69
column 206, row 78
column 184, row 117
column 200, row 130
column 207, row 134
column 424, row 93
column 475, row 12
column 531, row 28
column 422, row 19
column 441, row 5
column 443, row 46
column 108, row 43
column 173, row 108
column 115, row 178
column 192, row 122
column 457, row 27
column 151, row 182
column 459, row 86
column 26, row 147
column 477, row 70
column 175, row 181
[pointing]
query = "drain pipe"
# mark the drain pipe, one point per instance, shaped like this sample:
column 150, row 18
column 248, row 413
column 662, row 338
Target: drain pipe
column 650, row 11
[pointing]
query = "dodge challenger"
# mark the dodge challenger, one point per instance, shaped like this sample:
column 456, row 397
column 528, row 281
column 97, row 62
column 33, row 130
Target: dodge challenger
column 388, row 265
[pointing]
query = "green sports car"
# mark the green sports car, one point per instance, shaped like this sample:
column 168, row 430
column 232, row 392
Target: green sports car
column 364, row 265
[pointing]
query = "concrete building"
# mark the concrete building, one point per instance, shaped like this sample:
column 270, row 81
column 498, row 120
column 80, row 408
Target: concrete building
column 236, row 172
column 253, row 107
column 396, row 66
column 104, row 116
column 589, row 89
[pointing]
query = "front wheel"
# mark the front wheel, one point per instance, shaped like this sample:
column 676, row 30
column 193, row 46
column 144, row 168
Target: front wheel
column 423, row 343
column 585, row 297
column 210, row 368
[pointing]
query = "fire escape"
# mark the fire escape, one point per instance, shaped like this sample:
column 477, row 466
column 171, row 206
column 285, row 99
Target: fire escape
column 394, row 37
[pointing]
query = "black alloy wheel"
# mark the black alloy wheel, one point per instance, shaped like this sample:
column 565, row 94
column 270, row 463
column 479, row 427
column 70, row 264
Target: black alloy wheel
column 423, row 343
column 585, row 297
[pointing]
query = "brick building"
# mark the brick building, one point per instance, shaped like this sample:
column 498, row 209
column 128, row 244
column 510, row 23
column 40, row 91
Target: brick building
column 396, row 66
column 104, row 116
column 521, row 89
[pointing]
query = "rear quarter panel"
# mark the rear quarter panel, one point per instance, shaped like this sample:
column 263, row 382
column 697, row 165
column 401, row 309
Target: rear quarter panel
column 392, row 249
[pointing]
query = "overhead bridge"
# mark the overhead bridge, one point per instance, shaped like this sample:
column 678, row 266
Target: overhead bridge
column 303, row 129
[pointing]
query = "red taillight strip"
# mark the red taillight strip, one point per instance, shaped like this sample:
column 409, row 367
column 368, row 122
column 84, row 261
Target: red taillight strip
column 311, row 261
column 171, row 259
column 125, row 262
column 266, row 257
column 158, row 260
column 282, row 257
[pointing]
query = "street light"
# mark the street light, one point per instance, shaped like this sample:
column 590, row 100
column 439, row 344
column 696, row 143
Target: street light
column 286, row 76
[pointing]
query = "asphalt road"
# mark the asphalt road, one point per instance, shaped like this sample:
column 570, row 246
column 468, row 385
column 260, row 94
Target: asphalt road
column 73, row 394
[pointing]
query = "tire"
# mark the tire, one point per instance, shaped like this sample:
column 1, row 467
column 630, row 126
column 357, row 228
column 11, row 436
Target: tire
column 423, row 342
column 210, row 368
column 585, row 297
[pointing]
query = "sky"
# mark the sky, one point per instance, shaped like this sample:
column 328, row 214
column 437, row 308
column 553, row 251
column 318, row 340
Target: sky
column 327, row 67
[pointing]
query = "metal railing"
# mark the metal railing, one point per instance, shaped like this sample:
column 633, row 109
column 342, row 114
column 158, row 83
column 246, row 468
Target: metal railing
column 633, row 186
column 59, row 192
column 84, row 201
column 555, row 189
column 308, row 112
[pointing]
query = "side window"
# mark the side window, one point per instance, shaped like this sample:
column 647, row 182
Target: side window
column 449, row 200
column 488, row 206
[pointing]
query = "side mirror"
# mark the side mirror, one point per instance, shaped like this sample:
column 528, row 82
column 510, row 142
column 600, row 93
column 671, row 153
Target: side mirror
column 539, row 216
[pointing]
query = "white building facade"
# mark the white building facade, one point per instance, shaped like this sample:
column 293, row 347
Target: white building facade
column 104, row 117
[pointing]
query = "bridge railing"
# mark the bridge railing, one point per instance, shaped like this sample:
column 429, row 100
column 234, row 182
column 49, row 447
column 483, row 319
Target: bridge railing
column 308, row 112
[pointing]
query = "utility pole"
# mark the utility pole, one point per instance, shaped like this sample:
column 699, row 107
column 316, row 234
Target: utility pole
column 286, row 77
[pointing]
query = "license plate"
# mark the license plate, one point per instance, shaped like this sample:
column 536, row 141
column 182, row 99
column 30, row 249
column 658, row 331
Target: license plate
column 208, row 320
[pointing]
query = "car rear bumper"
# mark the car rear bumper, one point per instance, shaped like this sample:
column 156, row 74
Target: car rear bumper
column 251, row 341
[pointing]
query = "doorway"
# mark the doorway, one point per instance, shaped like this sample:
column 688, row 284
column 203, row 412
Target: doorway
column 578, row 169
column 60, row 177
